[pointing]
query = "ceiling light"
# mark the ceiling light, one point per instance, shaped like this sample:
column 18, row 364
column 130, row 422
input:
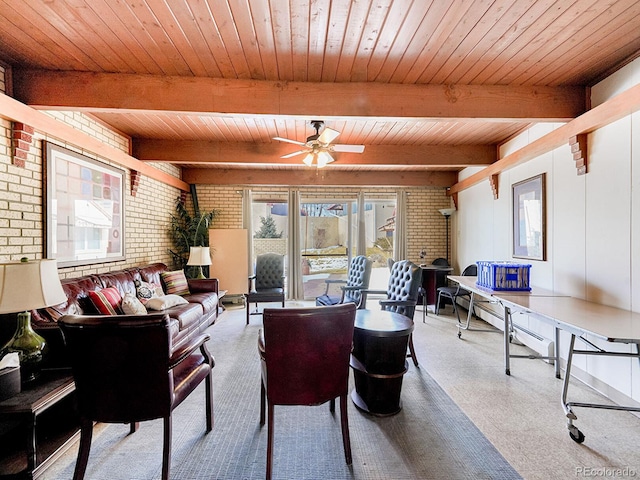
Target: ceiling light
column 323, row 159
column 308, row 159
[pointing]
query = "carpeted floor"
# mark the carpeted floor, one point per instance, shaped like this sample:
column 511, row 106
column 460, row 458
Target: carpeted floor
column 429, row 439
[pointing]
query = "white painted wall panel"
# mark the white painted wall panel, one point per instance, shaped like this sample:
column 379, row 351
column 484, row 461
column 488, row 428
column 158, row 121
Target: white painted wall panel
column 608, row 213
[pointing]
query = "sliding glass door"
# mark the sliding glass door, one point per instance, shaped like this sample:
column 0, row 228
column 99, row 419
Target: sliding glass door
column 329, row 233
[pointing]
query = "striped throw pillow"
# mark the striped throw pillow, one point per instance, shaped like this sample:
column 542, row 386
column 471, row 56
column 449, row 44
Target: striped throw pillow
column 107, row 301
column 175, row 283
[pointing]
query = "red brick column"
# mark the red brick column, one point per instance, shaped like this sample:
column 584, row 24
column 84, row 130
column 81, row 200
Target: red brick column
column 22, row 138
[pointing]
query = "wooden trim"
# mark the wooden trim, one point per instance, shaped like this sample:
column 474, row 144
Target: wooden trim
column 578, row 145
column 614, row 109
column 494, row 180
column 313, row 177
column 16, row 111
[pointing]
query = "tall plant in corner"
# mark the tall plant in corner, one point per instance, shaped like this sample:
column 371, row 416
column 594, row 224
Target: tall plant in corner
column 189, row 230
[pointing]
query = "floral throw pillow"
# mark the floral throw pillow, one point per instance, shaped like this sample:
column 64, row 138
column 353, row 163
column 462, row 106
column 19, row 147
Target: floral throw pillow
column 146, row 291
column 175, row 283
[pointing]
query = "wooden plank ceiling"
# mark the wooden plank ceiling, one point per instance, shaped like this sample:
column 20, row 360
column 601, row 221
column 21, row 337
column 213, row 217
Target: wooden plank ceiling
column 426, row 86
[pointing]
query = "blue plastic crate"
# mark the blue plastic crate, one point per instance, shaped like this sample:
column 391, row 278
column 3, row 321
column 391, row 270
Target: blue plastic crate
column 504, row 276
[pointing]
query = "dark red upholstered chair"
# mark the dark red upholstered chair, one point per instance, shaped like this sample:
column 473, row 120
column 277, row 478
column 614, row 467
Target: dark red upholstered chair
column 305, row 356
column 126, row 372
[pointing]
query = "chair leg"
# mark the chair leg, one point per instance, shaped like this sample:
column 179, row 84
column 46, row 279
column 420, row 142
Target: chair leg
column 438, row 304
column 166, row 448
column 332, row 405
column 86, row 432
column 263, row 395
column 248, row 308
column 269, row 441
column 208, row 401
column 344, row 423
column 412, row 352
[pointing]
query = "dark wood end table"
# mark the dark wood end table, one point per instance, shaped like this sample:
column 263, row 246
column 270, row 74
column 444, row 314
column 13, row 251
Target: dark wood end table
column 379, row 360
column 49, row 389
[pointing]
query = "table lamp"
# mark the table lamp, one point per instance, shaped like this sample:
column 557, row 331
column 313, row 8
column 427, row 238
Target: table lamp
column 199, row 256
column 27, row 285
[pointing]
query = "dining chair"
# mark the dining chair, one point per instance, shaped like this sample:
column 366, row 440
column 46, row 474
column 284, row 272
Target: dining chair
column 453, row 293
column 305, row 354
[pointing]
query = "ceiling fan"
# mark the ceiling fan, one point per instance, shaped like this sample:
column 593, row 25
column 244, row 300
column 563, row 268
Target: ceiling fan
column 318, row 146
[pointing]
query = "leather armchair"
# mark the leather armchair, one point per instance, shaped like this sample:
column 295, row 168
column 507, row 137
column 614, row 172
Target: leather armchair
column 267, row 283
column 405, row 282
column 126, row 371
column 357, row 279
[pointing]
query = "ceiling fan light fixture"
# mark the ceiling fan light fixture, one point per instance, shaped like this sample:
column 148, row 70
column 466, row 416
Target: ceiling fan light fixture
column 323, row 159
column 308, row 159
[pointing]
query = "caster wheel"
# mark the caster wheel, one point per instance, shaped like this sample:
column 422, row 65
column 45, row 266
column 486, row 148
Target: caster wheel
column 576, row 435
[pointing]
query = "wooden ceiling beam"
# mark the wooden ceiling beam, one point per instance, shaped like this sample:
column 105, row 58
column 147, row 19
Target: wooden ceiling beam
column 608, row 112
column 205, row 152
column 12, row 110
column 87, row 91
column 315, row 176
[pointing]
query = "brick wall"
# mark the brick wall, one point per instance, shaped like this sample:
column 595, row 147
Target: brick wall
column 22, row 215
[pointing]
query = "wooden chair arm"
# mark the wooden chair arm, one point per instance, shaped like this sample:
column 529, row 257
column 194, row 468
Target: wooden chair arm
column 180, row 354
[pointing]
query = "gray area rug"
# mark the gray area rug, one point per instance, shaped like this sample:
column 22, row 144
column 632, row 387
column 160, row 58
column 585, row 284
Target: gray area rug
column 429, row 439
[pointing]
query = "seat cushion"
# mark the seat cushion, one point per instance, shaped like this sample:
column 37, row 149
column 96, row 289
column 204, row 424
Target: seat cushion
column 266, row 295
column 325, row 300
column 208, row 301
column 188, row 315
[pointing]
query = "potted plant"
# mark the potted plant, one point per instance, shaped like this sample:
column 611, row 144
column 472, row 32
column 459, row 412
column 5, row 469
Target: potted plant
column 189, row 230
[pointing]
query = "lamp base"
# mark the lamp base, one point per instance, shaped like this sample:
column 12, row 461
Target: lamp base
column 200, row 274
column 31, row 348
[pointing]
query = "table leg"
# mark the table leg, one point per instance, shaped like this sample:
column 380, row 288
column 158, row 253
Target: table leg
column 507, row 328
column 31, row 446
column 556, row 351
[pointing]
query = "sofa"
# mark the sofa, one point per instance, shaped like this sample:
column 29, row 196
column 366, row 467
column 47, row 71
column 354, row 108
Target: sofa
column 187, row 320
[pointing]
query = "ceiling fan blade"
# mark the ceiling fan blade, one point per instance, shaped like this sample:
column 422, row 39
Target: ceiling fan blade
column 328, row 135
column 289, row 141
column 289, row 155
column 348, row 148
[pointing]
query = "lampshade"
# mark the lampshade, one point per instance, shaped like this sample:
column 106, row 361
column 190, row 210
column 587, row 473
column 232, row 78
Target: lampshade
column 447, row 212
column 308, row 159
column 28, row 285
column 323, row 159
column 199, row 256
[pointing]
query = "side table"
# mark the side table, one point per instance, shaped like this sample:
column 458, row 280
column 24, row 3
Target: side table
column 49, row 389
column 379, row 360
